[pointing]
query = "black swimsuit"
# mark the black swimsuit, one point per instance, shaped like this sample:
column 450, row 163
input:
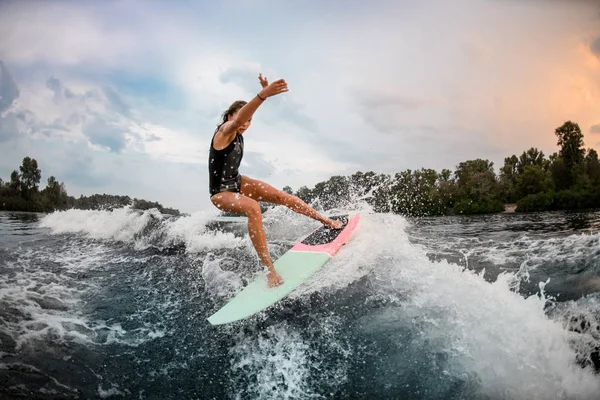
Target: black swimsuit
column 223, row 166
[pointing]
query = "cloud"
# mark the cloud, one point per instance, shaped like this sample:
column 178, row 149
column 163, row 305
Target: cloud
column 595, row 47
column 374, row 100
column 49, row 119
column 60, row 92
column 61, row 34
column 9, row 92
column 391, row 113
column 96, row 114
column 102, row 133
column 116, row 102
column 136, row 89
column 595, row 128
column 8, row 127
column 246, row 77
column 292, row 111
column 257, row 166
column 80, row 170
column 152, row 138
column 55, row 86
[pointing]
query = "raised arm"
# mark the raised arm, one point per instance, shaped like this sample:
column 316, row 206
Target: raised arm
column 229, row 128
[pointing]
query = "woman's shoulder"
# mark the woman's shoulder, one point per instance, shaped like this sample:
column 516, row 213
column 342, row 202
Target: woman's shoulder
column 223, row 141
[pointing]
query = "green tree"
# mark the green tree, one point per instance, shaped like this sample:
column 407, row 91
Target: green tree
column 15, row 184
column 570, row 140
column 30, row 177
column 362, row 183
column 592, row 167
column 447, row 188
column 561, row 175
column 52, row 190
column 381, row 193
column 403, row 189
column 508, row 179
column 477, row 187
column 305, row 194
column 533, row 180
column 333, row 192
column 374, row 188
column 416, row 193
column 445, row 175
column 533, row 156
column 55, row 194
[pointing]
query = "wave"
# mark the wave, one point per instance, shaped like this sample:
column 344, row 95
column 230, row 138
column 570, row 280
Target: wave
column 143, row 229
column 435, row 319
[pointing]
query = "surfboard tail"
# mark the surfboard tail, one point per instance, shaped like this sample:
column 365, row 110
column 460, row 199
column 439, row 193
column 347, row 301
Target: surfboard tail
column 327, row 240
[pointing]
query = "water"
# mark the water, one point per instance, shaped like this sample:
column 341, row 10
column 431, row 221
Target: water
column 99, row 304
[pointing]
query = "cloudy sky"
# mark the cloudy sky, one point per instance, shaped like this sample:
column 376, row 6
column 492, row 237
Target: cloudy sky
column 122, row 97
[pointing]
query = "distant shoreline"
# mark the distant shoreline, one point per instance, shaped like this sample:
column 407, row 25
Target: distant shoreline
column 22, row 193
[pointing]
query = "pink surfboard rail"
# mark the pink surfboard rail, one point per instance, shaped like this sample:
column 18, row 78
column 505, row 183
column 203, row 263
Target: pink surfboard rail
column 334, row 246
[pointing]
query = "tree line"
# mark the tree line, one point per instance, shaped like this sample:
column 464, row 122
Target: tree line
column 22, row 193
column 567, row 179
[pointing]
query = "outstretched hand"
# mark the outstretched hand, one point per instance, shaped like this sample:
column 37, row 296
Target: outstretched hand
column 273, row 89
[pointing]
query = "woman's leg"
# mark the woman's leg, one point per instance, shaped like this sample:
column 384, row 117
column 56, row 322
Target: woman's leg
column 240, row 204
column 261, row 191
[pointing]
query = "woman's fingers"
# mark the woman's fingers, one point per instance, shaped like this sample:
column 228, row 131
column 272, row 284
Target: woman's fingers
column 278, row 86
column 282, row 85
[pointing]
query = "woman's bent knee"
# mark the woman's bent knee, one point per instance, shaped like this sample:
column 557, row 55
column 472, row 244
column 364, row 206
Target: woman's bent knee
column 253, row 210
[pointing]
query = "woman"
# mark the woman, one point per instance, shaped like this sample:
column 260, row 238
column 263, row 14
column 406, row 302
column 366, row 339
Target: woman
column 236, row 193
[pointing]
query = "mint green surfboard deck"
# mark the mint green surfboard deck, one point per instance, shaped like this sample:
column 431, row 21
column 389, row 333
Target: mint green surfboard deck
column 295, row 266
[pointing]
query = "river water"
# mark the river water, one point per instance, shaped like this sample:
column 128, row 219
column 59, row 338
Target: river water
column 113, row 304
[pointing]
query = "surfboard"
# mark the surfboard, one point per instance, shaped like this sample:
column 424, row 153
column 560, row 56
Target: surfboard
column 295, row 266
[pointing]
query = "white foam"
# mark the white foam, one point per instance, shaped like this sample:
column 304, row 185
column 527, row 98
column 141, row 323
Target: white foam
column 581, row 316
column 120, row 224
column 47, row 302
column 281, row 356
column 141, row 229
column 536, row 250
column 507, row 341
column 569, row 249
column 278, row 362
column 220, row 283
column 110, row 392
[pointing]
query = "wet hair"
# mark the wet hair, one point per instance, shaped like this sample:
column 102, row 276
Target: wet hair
column 235, row 106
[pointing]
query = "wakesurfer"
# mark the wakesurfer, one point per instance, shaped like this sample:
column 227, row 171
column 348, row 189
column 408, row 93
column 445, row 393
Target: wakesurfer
column 230, row 191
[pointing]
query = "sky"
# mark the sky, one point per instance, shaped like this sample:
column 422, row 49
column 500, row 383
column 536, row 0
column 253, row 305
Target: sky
column 122, row 97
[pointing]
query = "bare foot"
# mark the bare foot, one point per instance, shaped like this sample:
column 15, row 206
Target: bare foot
column 274, row 279
column 334, row 224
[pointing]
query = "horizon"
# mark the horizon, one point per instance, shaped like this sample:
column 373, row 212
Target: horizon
column 123, row 99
